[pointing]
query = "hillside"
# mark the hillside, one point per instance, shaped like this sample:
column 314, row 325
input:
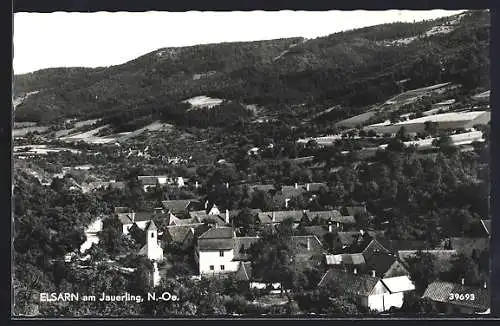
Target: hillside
column 353, row 69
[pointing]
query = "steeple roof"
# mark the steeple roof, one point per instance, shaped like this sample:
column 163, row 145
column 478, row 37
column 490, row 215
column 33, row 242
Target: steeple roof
column 151, row 226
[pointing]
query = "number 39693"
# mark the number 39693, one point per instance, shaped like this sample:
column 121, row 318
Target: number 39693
column 462, row 296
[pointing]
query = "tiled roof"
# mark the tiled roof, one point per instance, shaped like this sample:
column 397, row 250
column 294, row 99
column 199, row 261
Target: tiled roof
column 149, row 179
column 266, row 188
column 279, row 216
column 215, row 244
column 380, row 262
column 218, row 233
column 440, row 292
column 442, row 258
column 468, row 245
column 241, row 245
column 126, row 218
column 396, row 245
column 177, row 233
column 319, row 230
column 347, row 238
column 303, row 253
column 151, row 226
column 244, row 271
column 349, row 282
column 333, row 215
column 177, row 205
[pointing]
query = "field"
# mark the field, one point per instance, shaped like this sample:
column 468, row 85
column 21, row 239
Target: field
column 360, row 119
column 451, row 120
column 459, row 139
column 23, row 131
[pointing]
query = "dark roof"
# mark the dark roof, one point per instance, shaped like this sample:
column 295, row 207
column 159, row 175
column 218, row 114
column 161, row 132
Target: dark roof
column 126, row 218
column 241, row 246
column 203, row 217
column 235, row 212
column 468, row 245
column 396, row 245
column 348, row 238
column 354, row 209
column 442, row 258
column 215, row 244
column 319, row 230
column 380, row 262
column 332, row 215
column 279, row 216
column 177, row 205
column 122, row 209
column 244, row 271
column 151, row 226
column 303, row 252
column 349, row 282
column 487, row 225
column 177, row 233
column 440, row 292
column 218, row 233
column 266, row 188
column 104, row 184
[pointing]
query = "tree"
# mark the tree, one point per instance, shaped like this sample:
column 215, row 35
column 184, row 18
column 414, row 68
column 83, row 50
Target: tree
column 245, row 221
column 431, row 128
column 422, row 269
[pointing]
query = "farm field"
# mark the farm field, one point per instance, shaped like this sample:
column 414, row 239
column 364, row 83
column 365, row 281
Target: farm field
column 356, row 120
column 202, row 102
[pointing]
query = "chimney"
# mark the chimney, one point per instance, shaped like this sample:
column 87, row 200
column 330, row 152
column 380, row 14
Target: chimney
column 463, row 281
column 361, row 232
column 273, row 217
column 286, row 202
column 485, row 285
column 338, row 225
column 227, row 216
column 330, row 227
column 227, row 185
column 196, row 185
column 206, row 204
column 308, row 244
column 374, row 273
column 355, row 271
column 307, row 187
column 296, row 185
column 133, row 217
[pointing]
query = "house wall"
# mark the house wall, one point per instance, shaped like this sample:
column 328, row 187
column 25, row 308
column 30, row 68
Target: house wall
column 214, row 211
column 393, row 300
column 396, row 269
column 91, row 239
column 162, row 180
column 376, row 302
column 212, row 257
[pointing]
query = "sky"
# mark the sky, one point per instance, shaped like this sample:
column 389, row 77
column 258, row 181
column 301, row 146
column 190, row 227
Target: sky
column 61, row 39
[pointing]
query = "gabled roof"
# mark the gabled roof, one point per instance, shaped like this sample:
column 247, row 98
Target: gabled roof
column 263, row 187
column 442, row 258
column 468, row 245
column 149, row 180
column 177, row 233
column 380, row 262
column 244, row 271
column 218, row 233
column 398, row 284
column 126, row 218
column 397, row 245
column 332, row 215
column 319, row 230
column 349, row 282
column 279, row 216
column 346, row 259
column 440, row 292
column 177, row 205
column 303, row 253
column 241, row 246
column 487, row 225
column 151, row 226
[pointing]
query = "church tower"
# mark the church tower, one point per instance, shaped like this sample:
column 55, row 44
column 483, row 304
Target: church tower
column 153, row 249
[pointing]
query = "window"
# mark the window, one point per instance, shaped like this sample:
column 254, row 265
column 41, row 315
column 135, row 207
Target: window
column 211, row 267
column 221, row 267
column 221, row 253
column 152, row 235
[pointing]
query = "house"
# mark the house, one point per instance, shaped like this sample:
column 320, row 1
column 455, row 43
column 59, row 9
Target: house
column 308, row 247
column 446, row 297
column 141, row 219
column 151, row 181
column 353, row 260
column 244, row 274
column 276, row 217
column 357, row 241
column 152, row 249
column 469, row 246
column 332, row 216
column 181, row 207
column 442, row 258
column 180, row 182
column 184, row 235
column 91, row 233
column 214, row 251
column 384, row 265
column 371, row 292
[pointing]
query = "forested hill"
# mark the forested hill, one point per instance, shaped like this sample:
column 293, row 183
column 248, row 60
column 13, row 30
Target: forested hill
column 353, row 68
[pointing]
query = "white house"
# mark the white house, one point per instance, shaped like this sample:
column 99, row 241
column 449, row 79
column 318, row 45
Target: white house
column 152, row 249
column 214, row 210
column 91, row 233
column 214, row 251
column 372, row 292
